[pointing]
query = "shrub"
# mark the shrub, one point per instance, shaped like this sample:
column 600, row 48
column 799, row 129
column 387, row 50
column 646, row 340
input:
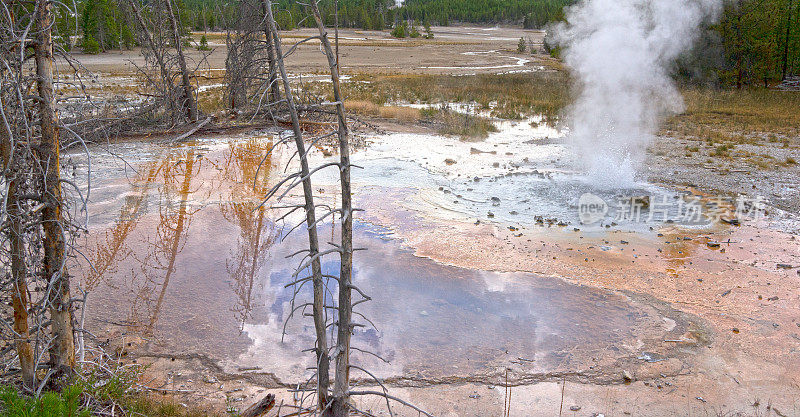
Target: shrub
column 399, row 30
column 90, row 45
column 428, row 32
column 521, row 45
column 50, row 404
column 203, row 46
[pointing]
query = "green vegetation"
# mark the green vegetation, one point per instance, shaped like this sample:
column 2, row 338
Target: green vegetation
column 509, row 96
column 756, row 42
column 445, row 121
column 428, row 31
column 104, row 26
column 400, row 30
column 90, row 393
column 51, row 404
column 533, row 13
column 203, row 45
column 382, row 14
column 464, row 125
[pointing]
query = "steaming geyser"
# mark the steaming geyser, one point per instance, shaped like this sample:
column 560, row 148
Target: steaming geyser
column 621, row 52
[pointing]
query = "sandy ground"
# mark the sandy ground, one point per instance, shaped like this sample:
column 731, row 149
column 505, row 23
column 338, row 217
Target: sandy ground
column 454, row 50
column 669, row 163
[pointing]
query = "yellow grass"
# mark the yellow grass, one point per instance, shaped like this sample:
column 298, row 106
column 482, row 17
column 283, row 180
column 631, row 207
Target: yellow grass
column 742, row 116
column 368, row 108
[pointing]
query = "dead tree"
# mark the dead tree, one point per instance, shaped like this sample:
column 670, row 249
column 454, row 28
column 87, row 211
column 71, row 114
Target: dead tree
column 341, row 388
column 37, row 224
column 251, row 76
column 246, row 52
column 188, row 94
column 338, row 313
column 166, row 74
column 314, row 255
column 62, row 352
column 19, row 290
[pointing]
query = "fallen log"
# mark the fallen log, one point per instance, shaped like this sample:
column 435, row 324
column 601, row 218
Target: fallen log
column 192, row 132
column 260, row 408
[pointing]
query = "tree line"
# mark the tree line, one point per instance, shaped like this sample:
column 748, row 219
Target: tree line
column 102, row 25
column 755, row 42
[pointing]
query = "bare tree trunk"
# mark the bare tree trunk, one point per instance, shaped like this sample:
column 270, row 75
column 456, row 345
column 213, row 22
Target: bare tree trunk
column 188, row 96
column 275, row 92
column 62, row 350
column 273, row 72
column 162, row 66
column 342, row 380
column 19, row 293
column 786, row 39
column 323, row 378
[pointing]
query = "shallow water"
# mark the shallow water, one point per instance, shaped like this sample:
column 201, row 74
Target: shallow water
column 186, row 260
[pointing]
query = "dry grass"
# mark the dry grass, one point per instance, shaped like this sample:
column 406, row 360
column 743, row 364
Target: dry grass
column 508, row 95
column 740, row 116
column 466, row 126
column 292, row 36
column 405, row 114
column 212, row 100
column 447, row 122
column 368, row 108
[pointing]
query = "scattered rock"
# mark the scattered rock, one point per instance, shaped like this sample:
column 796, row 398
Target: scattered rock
column 575, row 408
column 627, row 376
column 449, row 161
column 712, row 244
column 785, row 266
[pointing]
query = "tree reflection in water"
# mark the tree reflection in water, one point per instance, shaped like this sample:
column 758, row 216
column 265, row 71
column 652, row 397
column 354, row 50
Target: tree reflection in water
column 137, row 263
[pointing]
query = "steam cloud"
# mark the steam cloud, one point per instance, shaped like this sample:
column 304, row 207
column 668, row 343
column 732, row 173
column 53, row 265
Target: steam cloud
column 621, row 52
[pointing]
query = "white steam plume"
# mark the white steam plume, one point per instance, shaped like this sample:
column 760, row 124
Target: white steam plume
column 621, row 52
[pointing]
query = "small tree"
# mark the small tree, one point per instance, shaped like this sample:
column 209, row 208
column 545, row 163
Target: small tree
column 203, row 44
column 521, row 45
column 428, row 31
column 399, row 30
